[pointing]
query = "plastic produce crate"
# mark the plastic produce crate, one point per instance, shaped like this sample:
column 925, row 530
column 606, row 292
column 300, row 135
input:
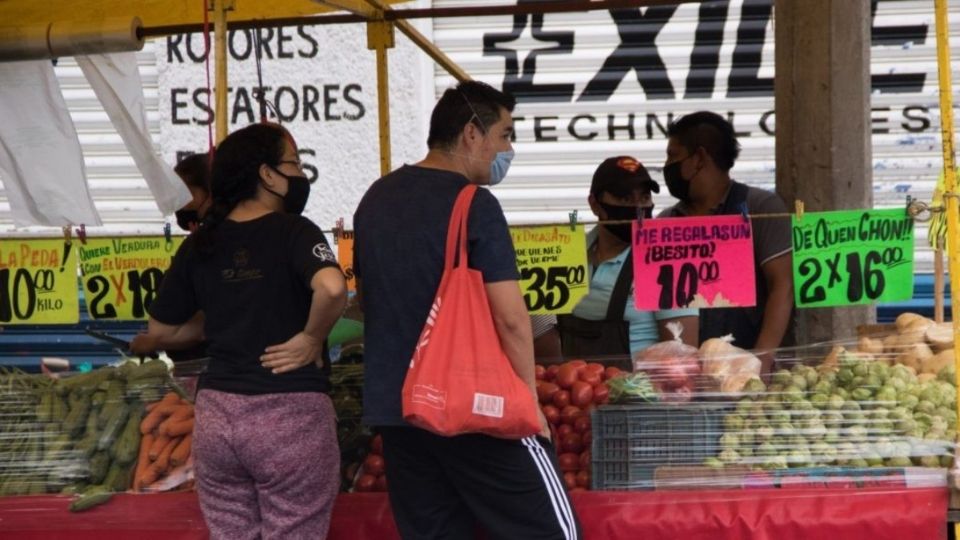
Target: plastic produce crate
column 631, row 441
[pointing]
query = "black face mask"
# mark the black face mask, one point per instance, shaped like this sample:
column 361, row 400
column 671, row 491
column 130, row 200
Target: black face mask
column 298, row 191
column 622, row 213
column 676, row 184
column 187, row 219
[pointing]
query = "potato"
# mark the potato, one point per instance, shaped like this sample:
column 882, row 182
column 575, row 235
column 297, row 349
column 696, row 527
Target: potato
column 926, row 377
column 940, row 337
column 868, row 345
column 935, row 363
column 904, row 320
column 914, row 356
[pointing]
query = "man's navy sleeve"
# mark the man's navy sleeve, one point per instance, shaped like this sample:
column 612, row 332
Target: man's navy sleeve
column 491, row 247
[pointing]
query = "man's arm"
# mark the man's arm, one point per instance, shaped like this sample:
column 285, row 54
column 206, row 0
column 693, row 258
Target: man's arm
column 778, row 274
column 516, row 336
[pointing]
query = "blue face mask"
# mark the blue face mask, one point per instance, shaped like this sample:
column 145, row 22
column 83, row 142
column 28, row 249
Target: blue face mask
column 499, row 166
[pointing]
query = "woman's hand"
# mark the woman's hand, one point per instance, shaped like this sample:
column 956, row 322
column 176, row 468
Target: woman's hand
column 295, row 353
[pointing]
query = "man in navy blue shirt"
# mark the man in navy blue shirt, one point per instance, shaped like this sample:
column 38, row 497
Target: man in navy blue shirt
column 443, row 487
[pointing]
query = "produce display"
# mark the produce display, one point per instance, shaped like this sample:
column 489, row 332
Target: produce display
column 77, row 435
column 370, row 475
column 567, row 393
column 888, row 401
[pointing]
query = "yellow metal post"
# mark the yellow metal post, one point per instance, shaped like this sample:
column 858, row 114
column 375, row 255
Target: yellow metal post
column 951, row 203
column 220, row 66
column 379, row 39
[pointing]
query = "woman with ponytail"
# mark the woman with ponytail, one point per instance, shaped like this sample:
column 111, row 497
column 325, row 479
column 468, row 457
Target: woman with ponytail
column 264, row 446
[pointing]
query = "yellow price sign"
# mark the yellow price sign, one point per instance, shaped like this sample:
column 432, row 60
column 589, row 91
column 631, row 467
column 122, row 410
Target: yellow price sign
column 553, row 267
column 38, row 282
column 345, row 258
column 121, row 276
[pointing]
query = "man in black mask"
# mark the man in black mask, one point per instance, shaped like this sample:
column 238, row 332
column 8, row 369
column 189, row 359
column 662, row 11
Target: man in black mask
column 702, row 149
column 606, row 322
column 194, row 170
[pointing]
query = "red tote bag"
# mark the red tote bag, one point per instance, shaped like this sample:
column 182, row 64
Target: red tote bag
column 460, row 380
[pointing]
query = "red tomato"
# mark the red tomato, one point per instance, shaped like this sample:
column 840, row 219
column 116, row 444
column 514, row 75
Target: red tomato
column 569, row 462
column 576, row 490
column 581, row 424
column 539, row 371
column 587, row 437
column 561, row 399
column 601, row 394
column 592, row 368
column 373, row 464
column 585, row 460
column 570, row 480
column 571, row 442
column 563, row 429
column 551, row 373
column 365, row 483
column 567, row 375
column 591, row 378
column 546, row 391
column 583, row 479
column 581, row 394
column 381, row 484
column 611, row 372
column 552, row 414
column 569, row 414
column 579, row 364
column 376, row 445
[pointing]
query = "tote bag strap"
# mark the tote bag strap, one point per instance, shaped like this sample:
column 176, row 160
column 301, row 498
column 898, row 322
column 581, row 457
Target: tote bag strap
column 457, row 229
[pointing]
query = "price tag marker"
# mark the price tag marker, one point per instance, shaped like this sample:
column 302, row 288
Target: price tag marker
column 852, row 257
column 121, row 276
column 345, row 258
column 553, row 267
column 38, row 283
column 699, row 262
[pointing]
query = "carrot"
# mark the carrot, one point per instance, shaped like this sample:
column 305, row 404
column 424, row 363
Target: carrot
column 177, row 429
column 150, row 406
column 143, row 461
column 152, row 420
column 159, row 443
column 150, row 475
column 182, row 451
column 163, row 460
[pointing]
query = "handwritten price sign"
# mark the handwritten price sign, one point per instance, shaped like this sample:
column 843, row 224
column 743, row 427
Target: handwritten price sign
column 345, row 258
column 553, row 267
column 852, row 257
column 121, row 276
column 38, row 282
column 695, row 262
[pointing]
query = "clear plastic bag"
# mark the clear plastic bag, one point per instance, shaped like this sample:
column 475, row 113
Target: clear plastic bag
column 673, row 367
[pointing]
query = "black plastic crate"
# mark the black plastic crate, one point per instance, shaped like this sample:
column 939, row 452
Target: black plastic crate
column 631, row 441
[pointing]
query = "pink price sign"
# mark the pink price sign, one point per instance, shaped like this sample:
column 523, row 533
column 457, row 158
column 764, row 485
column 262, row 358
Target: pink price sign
column 694, row 262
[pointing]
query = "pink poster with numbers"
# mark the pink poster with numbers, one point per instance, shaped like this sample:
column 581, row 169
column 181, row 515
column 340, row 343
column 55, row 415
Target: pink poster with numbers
column 696, row 262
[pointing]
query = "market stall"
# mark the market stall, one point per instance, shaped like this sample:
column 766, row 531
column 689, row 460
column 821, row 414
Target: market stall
column 851, row 438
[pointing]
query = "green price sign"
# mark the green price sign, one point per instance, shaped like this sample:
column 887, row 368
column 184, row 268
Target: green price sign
column 852, row 257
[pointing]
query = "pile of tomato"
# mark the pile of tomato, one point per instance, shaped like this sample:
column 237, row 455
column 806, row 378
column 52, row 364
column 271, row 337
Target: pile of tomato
column 568, row 393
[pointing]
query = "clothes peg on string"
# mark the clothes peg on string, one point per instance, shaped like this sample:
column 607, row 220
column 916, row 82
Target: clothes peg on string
column 640, row 210
column 67, row 244
column 573, row 220
column 82, row 233
column 799, row 209
column 744, row 212
column 337, row 231
column 167, row 234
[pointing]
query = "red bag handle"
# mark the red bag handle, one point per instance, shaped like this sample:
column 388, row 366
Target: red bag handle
column 457, row 229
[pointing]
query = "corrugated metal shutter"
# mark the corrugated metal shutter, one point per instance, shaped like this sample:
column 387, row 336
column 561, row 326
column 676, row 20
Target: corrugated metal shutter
column 551, row 176
column 119, row 191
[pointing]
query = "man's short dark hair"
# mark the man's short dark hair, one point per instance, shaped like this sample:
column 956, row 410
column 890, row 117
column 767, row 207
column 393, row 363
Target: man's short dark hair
column 709, row 131
column 194, row 170
column 470, row 101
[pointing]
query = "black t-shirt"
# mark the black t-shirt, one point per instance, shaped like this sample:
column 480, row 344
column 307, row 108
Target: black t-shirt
column 401, row 230
column 254, row 289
